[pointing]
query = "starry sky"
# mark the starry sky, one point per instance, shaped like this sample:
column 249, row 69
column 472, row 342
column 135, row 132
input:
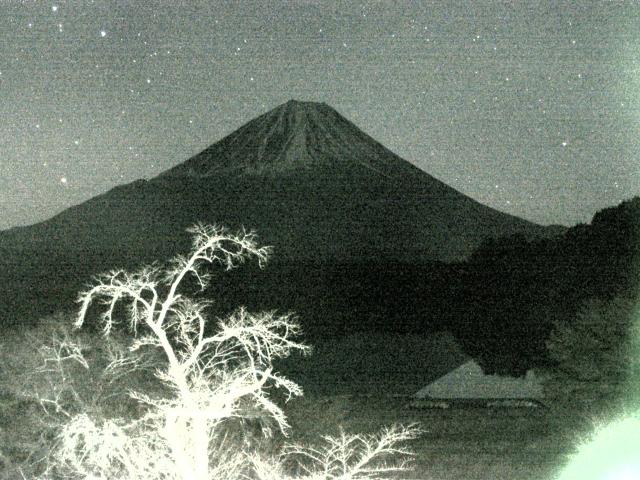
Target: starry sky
column 530, row 107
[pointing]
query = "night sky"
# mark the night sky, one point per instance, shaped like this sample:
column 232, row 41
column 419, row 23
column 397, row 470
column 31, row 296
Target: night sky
column 530, row 107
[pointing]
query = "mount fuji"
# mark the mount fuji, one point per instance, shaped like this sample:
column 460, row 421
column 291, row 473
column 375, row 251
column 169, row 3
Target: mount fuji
column 311, row 183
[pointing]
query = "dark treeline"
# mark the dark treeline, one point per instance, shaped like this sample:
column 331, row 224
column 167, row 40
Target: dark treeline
column 513, row 290
column 501, row 303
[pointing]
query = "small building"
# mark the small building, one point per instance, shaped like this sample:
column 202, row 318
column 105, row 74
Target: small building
column 469, row 385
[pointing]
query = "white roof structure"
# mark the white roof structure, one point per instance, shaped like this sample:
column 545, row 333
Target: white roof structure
column 469, row 382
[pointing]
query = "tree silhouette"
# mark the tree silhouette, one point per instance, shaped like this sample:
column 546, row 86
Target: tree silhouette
column 210, row 380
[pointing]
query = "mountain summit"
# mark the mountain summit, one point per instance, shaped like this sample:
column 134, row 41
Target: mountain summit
column 312, row 185
column 322, row 179
column 293, row 137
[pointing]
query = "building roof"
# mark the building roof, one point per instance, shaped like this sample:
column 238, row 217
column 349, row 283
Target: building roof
column 469, row 381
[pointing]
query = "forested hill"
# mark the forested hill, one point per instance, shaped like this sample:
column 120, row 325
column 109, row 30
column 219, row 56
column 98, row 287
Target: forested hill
column 512, row 289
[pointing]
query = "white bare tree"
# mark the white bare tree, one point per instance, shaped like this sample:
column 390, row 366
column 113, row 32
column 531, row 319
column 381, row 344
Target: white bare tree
column 210, row 378
column 344, row 457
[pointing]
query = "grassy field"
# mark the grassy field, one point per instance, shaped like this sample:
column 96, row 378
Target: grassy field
column 458, row 443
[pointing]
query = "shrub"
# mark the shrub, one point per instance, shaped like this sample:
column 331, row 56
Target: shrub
column 596, row 357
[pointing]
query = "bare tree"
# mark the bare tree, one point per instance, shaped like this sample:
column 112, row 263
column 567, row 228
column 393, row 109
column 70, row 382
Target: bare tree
column 344, row 457
column 209, row 379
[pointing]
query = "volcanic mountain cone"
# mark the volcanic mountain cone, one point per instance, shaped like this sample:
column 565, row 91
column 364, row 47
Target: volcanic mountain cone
column 314, row 186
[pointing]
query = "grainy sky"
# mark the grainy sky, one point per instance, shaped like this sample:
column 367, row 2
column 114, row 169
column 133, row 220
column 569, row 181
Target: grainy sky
column 530, row 107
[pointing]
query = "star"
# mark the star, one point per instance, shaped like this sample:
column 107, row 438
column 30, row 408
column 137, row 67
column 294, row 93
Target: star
column 103, row 33
column 64, row 180
column 54, row 8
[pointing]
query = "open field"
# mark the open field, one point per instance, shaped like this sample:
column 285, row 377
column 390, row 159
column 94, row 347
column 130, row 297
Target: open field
column 458, row 443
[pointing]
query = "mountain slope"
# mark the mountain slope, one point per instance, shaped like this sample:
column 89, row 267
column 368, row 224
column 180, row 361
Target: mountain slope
column 311, row 183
